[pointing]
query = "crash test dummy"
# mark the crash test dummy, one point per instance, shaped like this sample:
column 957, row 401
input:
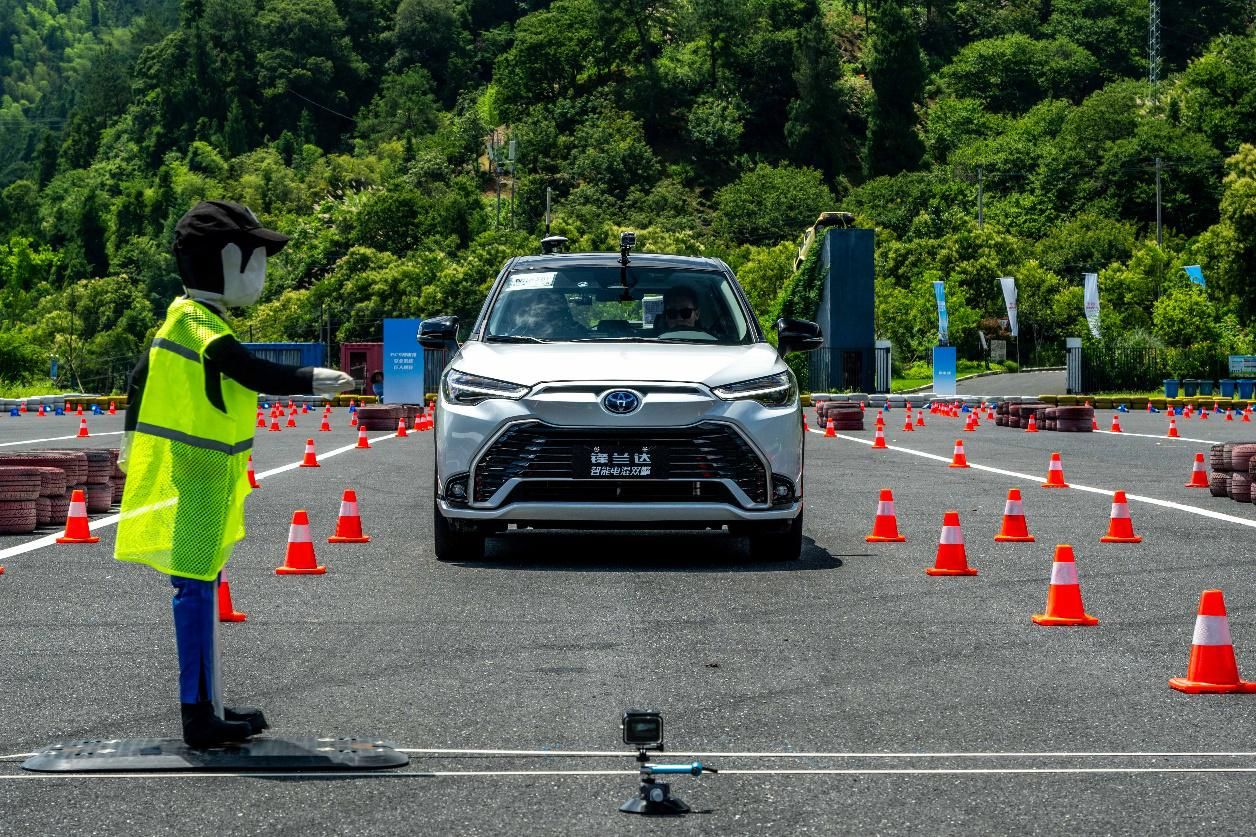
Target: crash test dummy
column 189, row 425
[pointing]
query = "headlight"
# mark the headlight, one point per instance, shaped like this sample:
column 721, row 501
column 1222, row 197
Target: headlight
column 777, row 390
column 461, row 388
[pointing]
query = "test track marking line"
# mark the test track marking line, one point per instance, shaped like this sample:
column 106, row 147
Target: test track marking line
column 1151, row 436
column 1155, row 501
column 435, row 774
column 58, row 439
column 109, row 520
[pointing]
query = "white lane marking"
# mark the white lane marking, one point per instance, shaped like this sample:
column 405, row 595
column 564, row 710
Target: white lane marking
column 434, row 774
column 57, row 439
column 1154, row 501
column 109, row 520
column 1153, row 436
column 841, row 755
column 18, row 756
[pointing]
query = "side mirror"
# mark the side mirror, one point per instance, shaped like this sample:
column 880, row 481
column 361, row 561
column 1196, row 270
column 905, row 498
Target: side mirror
column 797, row 336
column 439, row 333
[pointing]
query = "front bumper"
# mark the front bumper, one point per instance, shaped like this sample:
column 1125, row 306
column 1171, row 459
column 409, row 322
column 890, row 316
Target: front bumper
column 621, row 512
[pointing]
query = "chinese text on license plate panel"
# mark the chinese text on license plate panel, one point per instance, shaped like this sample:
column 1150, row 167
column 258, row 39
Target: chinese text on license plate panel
column 620, row 460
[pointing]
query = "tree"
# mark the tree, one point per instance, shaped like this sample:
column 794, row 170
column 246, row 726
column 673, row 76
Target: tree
column 432, row 34
column 825, row 125
column 1010, row 74
column 898, row 76
column 770, row 204
column 1228, row 249
column 1185, row 317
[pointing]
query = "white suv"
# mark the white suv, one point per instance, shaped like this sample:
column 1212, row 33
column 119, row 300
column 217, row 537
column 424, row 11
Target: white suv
column 627, row 391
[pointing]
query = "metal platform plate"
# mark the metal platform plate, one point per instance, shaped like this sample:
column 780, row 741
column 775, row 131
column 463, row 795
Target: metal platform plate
column 256, row 755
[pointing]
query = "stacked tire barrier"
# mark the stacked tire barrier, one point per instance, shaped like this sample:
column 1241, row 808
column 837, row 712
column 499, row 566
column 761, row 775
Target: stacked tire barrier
column 1046, row 417
column 1233, row 470
column 380, row 416
column 845, row 415
column 55, row 474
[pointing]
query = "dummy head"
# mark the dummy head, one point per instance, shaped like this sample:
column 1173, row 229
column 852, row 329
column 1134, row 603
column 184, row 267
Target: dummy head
column 221, row 249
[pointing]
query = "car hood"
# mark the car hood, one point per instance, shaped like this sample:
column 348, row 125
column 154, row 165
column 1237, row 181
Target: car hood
column 531, row 364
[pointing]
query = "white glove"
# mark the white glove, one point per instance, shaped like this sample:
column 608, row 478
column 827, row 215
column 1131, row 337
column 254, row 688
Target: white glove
column 331, row 381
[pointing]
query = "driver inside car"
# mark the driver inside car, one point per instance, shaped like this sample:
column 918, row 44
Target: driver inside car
column 680, row 311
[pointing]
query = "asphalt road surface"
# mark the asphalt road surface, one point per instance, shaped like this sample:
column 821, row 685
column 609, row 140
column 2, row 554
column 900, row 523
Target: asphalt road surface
column 1016, row 383
column 848, row 692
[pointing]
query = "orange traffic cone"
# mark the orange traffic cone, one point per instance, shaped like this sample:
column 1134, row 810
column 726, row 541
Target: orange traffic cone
column 310, row 460
column 805, row 428
column 1199, row 476
column 226, row 608
column 261, row 419
column 1116, row 423
column 113, row 408
column 828, row 429
column 362, row 442
column 1229, row 414
column 325, row 427
column 252, row 475
column 885, row 525
column 401, row 429
column 1173, row 431
column 1055, row 473
column 41, row 411
column 349, row 524
column 76, row 529
column 274, row 425
column 80, row 410
column 1094, row 423
column 1212, row 668
column 300, row 557
column 1120, row 527
column 969, row 425
column 951, row 558
column 83, row 434
column 1064, row 595
column 1014, row 529
column 878, row 442
column 920, row 419
column 292, row 420
column 420, row 415
column 958, row 459
column 907, row 428
column 1033, row 424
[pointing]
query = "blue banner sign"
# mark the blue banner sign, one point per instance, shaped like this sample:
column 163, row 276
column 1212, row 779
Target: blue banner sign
column 939, row 291
column 1196, row 273
column 1243, row 365
column 403, row 362
column 943, row 370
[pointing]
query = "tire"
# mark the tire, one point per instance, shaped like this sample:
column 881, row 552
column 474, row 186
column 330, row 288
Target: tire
column 1072, row 426
column 18, row 517
column 1240, row 487
column 1216, row 457
column 771, row 542
column 1075, row 413
column 1219, row 484
column 99, row 497
column 1241, row 457
column 451, row 544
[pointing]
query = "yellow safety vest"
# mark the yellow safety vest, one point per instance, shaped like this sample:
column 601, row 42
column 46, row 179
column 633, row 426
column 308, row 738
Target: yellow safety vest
column 187, row 467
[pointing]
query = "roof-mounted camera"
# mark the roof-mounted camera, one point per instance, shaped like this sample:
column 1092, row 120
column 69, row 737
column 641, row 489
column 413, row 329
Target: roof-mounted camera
column 627, row 240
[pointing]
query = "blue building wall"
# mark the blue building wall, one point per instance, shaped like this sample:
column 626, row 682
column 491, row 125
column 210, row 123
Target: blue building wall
column 847, row 313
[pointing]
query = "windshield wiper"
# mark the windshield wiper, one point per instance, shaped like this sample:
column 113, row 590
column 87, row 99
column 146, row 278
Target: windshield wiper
column 512, row 338
column 611, row 340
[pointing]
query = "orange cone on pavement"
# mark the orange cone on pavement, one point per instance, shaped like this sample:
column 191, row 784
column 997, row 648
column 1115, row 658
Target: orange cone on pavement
column 349, row 524
column 401, row 428
column 885, row 526
column 261, row 419
column 113, row 408
column 1064, row 595
column 1120, row 527
column 274, row 425
column 325, row 427
column 878, row 442
column 1173, row 431
column 1014, row 529
column 226, row 608
column 1055, row 473
column 252, row 475
column 76, row 529
column 907, row 428
column 353, row 419
column 1033, row 424
column 292, row 420
column 1199, row 476
column 362, row 441
column 1212, row 668
column 299, row 559
column 1116, row 423
column 310, row 460
column 83, row 434
column 958, row 459
column 951, row 558
column 1229, row 414
column 920, row 419
column 80, row 409
column 41, row 411
column 829, row 432
column 1094, row 423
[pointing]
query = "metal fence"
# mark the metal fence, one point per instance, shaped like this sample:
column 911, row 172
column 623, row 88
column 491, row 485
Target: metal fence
column 1126, row 368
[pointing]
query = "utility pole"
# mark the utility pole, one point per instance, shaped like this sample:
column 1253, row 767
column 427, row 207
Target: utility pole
column 981, row 215
column 1153, row 48
column 1159, row 227
column 511, row 157
column 548, row 193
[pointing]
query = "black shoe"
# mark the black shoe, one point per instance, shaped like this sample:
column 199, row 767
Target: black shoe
column 246, row 714
column 202, row 728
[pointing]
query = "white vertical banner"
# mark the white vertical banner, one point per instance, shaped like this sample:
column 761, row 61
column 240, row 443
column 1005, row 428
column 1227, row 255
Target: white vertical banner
column 939, row 293
column 1092, row 301
column 1009, row 296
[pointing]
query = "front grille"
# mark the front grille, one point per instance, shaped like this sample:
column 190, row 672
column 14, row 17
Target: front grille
column 619, row 491
column 706, row 451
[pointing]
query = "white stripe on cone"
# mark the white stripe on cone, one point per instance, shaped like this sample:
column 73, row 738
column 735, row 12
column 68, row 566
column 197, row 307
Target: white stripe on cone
column 1120, row 510
column 348, row 508
column 299, row 533
column 951, row 535
column 78, row 509
column 885, row 508
column 1211, row 630
column 1013, row 508
column 1064, row 572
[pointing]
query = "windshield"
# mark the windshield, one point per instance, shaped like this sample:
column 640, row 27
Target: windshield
column 590, row 304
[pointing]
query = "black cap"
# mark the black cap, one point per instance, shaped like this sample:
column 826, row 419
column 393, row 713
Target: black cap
column 217, row 223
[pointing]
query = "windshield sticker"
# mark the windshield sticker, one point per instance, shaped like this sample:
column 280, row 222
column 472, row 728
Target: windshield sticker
column 522, row 281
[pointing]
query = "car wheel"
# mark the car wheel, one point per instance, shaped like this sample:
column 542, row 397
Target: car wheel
column 451, row 541
column 772, row 542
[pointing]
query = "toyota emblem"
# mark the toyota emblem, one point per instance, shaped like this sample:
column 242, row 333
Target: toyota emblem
column 621, row 402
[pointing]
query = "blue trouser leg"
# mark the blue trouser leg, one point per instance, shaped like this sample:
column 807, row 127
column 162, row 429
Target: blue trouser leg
column 195, row 630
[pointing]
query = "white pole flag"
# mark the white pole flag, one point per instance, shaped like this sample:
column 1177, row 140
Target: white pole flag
column 1092, row 301
column 1009, row 296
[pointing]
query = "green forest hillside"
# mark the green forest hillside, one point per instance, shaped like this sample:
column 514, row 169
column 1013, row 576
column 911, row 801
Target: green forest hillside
column 718, row 127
